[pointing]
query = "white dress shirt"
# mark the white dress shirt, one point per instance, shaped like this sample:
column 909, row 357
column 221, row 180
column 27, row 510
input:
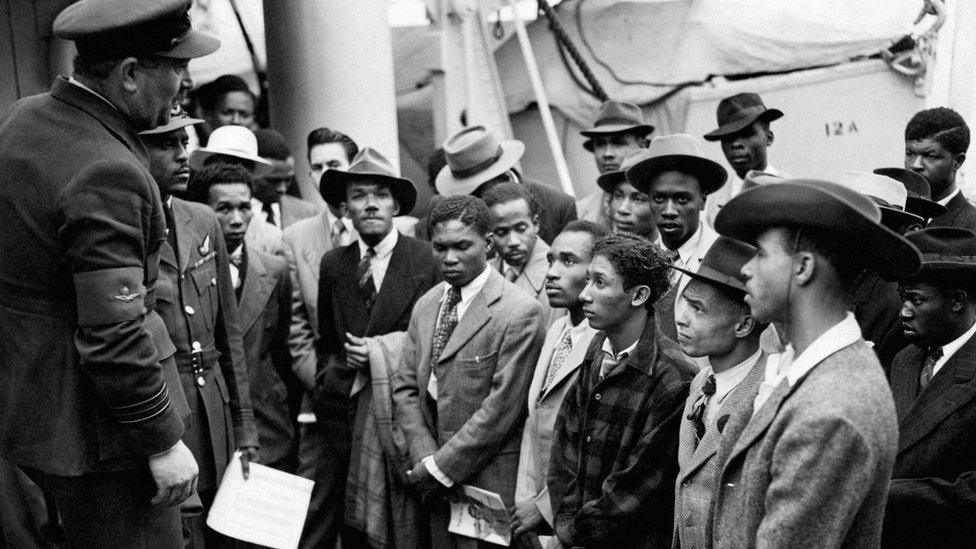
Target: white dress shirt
column 257, row 211
column 786, row 366
column 382, row 260
column 945, row 201
column 950, row 348
column 235, row 273
column 726, row 381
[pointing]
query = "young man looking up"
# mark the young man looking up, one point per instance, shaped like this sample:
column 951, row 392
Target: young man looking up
column 812, row 459
column 715, row 324
column 611, row 477
column 555, row 374
column 936, row 141
column 461, row 387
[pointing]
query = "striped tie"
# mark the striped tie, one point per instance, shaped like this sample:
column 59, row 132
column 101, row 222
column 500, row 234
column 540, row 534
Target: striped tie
column 365, row 275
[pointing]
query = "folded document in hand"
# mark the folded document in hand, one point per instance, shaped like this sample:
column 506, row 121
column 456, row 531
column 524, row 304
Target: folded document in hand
column 480, row 514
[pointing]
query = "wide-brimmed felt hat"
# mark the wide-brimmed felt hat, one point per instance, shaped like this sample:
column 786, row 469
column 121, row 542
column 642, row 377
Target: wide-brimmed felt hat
column 177, row 119
column 236, row 141
column 888, row 194
column 737, row 112
column 120, row 28
column 919, row 193
column 722, row 264
column 609, row 181
column 475, row 156
column 823, row 206
column 368, row 166
column 617, row 117
column 680, row 152
column 945, row 251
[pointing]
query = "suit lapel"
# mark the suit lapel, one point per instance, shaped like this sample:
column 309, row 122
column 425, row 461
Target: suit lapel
column 185, row 235
column 254, row 295
column 475, row 317
column 317, row 246
column 953, row 386
column 347, row 293
column 572, row 363
column 545, row 357
column 393, row 296
column 763, row 417
column 904, row 380
column 166, row 255
column 535, row 270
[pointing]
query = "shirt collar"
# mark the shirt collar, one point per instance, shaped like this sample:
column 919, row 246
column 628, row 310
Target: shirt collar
column 840, row 335
column 73, row 80
column 688, row 249
column 472, row 288
column 608, row 349
column 384, row 248
column 950, row 348
column 330, row 220
column 945, row 201
column 727, row 380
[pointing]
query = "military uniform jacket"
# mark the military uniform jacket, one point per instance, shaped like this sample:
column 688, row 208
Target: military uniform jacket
column 81, row 386
column 197, row 302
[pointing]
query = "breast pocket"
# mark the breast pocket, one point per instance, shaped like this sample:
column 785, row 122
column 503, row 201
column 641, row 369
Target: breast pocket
column 204, row 278
column 474, row 375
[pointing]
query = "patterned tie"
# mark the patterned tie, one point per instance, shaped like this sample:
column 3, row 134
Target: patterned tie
column 447, row 320
column 610, row 363
column 365, row 275
column 671, row 255
column 558, row 357
column 697, row 414
column 928, row 369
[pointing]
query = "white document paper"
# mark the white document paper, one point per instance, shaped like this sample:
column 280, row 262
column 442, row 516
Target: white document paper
column 268, row 508
column 480, row 514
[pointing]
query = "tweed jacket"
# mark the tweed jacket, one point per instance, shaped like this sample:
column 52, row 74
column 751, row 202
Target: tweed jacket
column 932, row 501
column 960, row 212
column 82, row 345
column 544, row 407
column 483, row 377
column 811, row 468
column 196, row 301
column 614, row 457
column 532, row 279
column 696, row 459
column 264, row 315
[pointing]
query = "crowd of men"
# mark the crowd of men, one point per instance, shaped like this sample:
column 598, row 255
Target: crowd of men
column 703, row 359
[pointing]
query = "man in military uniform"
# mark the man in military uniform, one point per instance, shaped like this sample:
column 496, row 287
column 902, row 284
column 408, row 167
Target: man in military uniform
column 89, row 398
column 196, row 300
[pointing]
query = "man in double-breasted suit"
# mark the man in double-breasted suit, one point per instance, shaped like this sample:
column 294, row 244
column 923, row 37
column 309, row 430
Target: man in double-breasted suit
column 715, row 325
column 932, row 499
column 810, row 463
column 195, row 298
column 461, row 388
column 562, row 353
column 89, row 398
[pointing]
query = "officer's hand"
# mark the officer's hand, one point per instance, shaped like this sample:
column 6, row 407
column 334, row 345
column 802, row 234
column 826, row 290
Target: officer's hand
column 249, row 454
column 175, row 474
column 357, row 353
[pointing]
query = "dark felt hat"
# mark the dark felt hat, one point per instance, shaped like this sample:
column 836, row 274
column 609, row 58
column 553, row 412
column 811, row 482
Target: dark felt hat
column 945, row 251
column 824, row 206
column 919, row 200
column 113, row 28
column 722, row 264
column 680, row 152
column 739, row 111
column 368, row 166
column 617, row 117
column 609, row 181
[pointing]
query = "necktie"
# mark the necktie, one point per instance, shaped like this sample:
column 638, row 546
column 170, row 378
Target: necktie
column 511, row 274
column 928, row 369
column 447, row 320
column 610, row 363
column 671, row 255
column 697, row 414
column 365, row 275
column 269, row 210
column 171, row 230
column 558, row 357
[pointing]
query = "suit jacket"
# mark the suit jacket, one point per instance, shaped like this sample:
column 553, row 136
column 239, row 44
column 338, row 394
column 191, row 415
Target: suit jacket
column 556, row 209
column 543, row 409
column 197, row 303
column 959, row 213
column 483, row 377
column 264, row 315
column 697, row 461
column 932, row 501
column 80, row 362
column 877, row 308
column 411, row 272
column 295, row 209
column 532, row 279
column 811, row 468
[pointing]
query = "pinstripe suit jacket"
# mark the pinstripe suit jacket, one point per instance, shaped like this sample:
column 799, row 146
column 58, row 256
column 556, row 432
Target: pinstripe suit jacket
column 932, row 501
column 696, row 459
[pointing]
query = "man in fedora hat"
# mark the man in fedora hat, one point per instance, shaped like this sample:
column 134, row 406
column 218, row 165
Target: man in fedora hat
column 629, row 208
column 366, row 291
column 91, row 408
column 933, row 488
column 919, row 200
column 677, row 177
column 744, row 133
column 936, row 141
column 618, row 130
column 716, row 325
column 812, row 458
column 476, row 161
